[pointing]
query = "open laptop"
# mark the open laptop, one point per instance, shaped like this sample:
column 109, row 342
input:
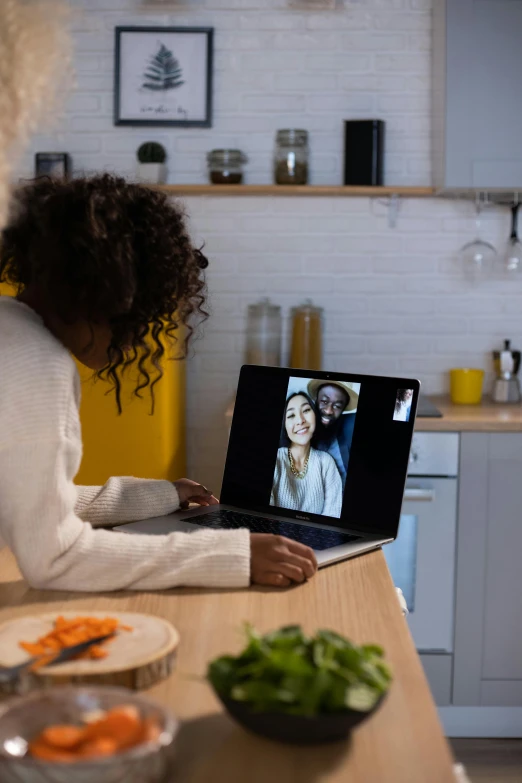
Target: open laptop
column 318, row 457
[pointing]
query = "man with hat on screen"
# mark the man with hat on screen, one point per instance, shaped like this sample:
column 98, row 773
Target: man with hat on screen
column 336, row 403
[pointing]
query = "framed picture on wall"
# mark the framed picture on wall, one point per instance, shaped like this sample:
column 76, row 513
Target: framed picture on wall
column 163, row 76
column 52, row 164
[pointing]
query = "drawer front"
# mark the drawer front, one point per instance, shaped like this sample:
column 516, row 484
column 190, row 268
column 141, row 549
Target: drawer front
column 501, row 693
column 434, row 454
column 438, row 670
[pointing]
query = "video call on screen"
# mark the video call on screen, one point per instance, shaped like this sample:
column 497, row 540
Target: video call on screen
column 333, row 449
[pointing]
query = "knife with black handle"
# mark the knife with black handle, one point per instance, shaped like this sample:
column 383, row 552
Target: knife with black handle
column 10, row 675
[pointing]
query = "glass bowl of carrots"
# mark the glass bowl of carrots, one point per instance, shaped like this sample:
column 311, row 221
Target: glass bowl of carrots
column 81, row 735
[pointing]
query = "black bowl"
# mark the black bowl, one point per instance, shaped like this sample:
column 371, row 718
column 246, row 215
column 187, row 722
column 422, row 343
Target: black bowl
column 297, row 729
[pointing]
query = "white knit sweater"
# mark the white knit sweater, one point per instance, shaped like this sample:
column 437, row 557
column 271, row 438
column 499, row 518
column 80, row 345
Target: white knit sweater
column 319, row 492
column 48, row 522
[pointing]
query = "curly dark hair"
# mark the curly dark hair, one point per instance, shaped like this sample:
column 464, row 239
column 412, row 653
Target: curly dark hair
column 108, row 251
column 402, row 396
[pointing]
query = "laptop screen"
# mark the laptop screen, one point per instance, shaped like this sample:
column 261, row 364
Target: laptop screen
column 323, row 447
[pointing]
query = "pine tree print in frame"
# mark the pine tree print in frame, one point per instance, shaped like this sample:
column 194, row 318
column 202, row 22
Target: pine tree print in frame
column 163, row 72
column 163, row 76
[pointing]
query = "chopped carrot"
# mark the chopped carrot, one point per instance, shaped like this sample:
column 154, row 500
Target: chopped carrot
column 102, row 746
column 109, row 733
column 67, row 633
column 40, row 750
column 32, row 649
column 63, row 737
column 97, row 651
column 122, row 724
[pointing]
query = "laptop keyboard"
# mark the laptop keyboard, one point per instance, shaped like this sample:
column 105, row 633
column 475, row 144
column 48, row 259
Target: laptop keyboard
column 316, row 538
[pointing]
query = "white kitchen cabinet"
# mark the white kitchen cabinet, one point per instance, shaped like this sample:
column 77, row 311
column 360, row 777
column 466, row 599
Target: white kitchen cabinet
column 477, row 102
column 438, row 669
column 488, row 619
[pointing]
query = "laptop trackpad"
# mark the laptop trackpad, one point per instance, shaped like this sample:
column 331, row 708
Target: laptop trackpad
column 159, row 526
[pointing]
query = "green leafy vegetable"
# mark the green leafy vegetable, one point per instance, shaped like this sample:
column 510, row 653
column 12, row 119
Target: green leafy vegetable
column 287, row 672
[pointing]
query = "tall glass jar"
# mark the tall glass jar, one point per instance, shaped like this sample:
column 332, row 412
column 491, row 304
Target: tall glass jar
column 291, row 157
column 226, row 166
column 264, row 334
column 306, row 350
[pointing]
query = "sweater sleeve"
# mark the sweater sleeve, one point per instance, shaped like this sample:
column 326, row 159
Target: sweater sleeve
column 55, row 549
column 126, row 500
column 333, row 487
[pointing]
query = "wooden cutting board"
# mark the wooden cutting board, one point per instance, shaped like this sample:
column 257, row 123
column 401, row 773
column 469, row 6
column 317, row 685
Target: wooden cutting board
column 136, row 659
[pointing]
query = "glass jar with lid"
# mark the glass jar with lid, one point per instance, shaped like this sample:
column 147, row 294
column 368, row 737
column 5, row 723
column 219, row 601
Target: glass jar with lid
column 291, row 157
column 264, row 334
column 226, row 166
column 306, row 349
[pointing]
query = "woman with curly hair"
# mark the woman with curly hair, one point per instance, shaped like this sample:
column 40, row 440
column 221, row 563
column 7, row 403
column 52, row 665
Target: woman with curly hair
column 403, row 405
column 104, row 271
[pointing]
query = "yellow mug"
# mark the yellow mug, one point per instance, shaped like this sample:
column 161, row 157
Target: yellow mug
column 466, row 386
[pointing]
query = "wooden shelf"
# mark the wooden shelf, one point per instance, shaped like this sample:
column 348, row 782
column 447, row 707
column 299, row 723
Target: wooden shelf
column 296, row 190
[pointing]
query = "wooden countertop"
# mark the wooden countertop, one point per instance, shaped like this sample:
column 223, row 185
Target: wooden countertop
column 486, row 417
column 402, row 743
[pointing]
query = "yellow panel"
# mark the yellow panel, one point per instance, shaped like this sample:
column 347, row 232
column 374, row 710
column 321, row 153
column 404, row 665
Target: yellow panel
column 6, row 290
column 135, row 443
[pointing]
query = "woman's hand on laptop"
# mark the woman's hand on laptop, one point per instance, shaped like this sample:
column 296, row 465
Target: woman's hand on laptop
column 192, row 492
column 277, row 561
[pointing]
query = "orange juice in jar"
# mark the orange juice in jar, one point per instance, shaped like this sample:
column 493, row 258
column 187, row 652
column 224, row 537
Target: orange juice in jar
column 306, row 352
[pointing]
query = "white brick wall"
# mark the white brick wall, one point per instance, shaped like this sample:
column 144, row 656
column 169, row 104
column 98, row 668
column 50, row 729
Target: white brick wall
column 275, row 66
column 394, row 299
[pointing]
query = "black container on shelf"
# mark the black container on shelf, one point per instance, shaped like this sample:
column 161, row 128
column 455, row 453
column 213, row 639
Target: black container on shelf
column 364, row 152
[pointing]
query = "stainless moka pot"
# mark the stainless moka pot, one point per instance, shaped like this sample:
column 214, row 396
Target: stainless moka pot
column 506, row 387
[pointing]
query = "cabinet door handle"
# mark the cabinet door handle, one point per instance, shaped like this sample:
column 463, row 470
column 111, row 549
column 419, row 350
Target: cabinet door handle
column 427, row 495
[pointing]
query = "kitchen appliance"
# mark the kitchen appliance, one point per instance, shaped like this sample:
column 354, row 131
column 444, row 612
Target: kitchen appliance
column 506, row 387
column 364, row 152
column 256, row 498
column 134, row 443
column 423, row 556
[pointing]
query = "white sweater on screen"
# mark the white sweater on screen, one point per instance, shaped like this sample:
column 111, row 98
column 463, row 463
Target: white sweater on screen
column 319, row 492
column 48, row 522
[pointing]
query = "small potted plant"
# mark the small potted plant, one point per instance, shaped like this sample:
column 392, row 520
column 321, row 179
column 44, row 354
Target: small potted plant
column 151, row 163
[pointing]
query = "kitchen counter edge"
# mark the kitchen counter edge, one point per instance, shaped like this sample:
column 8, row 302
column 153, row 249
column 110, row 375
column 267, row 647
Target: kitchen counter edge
column 486, row 417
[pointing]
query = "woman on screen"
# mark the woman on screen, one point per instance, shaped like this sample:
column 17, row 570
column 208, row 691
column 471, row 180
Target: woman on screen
column 305, row 479
column 403, row 405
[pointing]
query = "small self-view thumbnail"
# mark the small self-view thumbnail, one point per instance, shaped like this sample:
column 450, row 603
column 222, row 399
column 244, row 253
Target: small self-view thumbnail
column 403, row 405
